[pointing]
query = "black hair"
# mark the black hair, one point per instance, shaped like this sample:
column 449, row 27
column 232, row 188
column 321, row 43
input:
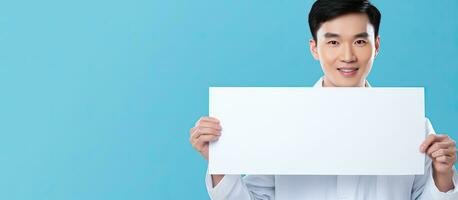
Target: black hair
column 325, row 10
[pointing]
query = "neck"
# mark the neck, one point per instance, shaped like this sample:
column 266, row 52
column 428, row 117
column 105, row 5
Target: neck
column 327, row 83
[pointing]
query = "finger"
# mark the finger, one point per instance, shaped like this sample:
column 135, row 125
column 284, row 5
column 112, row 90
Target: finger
column 213, row 125
column 430, row 140
column 444, row 159
column 195, row 134
column 208, row 138
column 202, row 131
column 192, row 130
column 205, row 139
column 195, row 137
column 443, row 152
column 203, row 149
column 195, row 140
column 208, row 131
column 439, row 145
column 198, row 146
column 208, row 119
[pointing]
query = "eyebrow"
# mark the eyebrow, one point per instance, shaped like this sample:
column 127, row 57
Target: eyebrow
column 331, row 35
column 362, row 35
column 335, row 35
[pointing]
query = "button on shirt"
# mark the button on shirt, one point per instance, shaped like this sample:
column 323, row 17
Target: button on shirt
column 332, row 187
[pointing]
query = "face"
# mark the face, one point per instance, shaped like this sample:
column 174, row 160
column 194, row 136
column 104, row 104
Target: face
column 346, row 48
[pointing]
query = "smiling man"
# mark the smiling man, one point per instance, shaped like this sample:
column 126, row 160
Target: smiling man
column 345, row 42
column 346, row 47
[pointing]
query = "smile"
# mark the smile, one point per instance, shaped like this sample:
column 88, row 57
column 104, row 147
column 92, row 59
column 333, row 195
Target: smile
column 348, row 71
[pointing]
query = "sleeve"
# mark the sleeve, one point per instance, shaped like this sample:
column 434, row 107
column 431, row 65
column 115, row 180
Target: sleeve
column 255, row 187
column 424, row 187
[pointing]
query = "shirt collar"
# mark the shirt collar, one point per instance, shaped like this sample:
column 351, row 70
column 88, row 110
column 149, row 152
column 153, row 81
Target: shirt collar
column 319, row 83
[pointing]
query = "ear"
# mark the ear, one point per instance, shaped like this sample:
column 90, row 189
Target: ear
column 377, row 46
column 313, row 49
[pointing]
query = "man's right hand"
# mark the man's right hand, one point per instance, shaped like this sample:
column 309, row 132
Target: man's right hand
column 206, row 129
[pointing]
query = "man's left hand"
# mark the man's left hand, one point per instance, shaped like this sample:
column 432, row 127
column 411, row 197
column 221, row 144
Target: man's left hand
column 442, row 151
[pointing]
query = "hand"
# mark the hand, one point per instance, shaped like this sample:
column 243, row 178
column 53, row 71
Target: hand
column 442, row 150
column 206, row 129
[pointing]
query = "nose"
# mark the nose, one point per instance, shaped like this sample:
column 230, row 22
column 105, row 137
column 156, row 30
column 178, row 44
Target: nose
column 348, row 56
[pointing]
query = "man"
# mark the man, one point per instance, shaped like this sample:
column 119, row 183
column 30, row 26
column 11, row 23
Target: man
column 346, row 42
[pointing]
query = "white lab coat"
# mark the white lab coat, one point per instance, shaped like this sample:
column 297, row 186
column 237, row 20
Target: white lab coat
column 332, row 187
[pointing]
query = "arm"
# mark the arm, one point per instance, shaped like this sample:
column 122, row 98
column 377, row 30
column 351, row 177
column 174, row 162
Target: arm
column 425, row 188
column 228, row 187
column 236, row 187
column 440, row 177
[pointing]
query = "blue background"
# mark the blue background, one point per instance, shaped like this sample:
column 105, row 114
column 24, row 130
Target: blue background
column 97, row 97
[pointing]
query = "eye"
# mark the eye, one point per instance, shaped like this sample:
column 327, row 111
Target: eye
column 333, row 43
column 360, row 42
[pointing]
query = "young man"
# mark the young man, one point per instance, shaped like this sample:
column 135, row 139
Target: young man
column 346, row 42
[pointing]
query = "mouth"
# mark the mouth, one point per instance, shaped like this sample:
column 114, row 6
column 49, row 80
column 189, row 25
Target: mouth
column 348, row 71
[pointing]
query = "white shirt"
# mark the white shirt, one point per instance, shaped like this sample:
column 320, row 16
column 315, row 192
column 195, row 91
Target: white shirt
column 332, row 187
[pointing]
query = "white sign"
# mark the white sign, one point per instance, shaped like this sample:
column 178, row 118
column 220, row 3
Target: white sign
column 318, row 131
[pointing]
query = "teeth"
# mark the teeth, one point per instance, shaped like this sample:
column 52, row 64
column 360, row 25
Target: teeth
column 347, row 70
